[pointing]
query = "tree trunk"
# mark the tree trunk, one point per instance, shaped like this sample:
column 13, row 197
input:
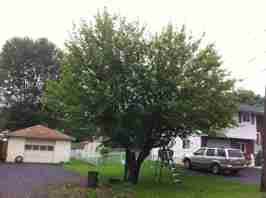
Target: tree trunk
column 133, row 165
column 126, row 166
column 263, row 133
column 132, row 168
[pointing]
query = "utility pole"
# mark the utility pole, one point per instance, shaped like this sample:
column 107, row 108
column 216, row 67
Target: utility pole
column 263, row 133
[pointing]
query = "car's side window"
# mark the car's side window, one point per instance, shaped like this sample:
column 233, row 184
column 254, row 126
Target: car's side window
column 221, row 153
column 199, row 152
column 210, row 152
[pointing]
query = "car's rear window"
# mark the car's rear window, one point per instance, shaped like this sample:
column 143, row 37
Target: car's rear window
column 210, row 152
column 235, row 153
column 221, row 153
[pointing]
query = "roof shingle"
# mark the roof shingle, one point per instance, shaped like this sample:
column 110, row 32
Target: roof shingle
column 40, row 132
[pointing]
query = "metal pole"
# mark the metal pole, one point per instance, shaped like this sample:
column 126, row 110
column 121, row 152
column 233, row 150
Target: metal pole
column 263, row 134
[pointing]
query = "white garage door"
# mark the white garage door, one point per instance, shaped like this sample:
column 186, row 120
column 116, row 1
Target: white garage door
column 39, row 151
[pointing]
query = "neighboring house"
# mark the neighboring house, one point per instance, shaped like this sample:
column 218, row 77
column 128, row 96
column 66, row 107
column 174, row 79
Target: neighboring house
column 182, row 147
column 244, row 137
column 90, row 151
column 38, row 144
column 246, row 129
column 85, row 149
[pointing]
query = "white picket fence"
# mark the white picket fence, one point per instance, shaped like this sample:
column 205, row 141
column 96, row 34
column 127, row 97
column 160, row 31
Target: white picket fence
column 97, row 158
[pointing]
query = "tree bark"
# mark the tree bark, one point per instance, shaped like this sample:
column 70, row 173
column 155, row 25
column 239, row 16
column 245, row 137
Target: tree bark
column 133, row 165
column 126, row 166
column 132, row 168
column 263, row 133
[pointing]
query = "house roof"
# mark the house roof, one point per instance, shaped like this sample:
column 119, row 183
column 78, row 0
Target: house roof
column 247, row 108
column 40, row 132
column 231, row 138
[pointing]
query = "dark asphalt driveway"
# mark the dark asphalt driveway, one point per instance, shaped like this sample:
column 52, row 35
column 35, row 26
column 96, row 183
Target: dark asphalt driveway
column 247, row 175
column 31, row 180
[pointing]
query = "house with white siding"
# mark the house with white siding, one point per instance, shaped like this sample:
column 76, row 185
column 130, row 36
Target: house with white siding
column 38, row 144
column 244, row 136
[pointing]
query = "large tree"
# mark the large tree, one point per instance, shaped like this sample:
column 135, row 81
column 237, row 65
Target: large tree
column 140, row 90
column 25, row 66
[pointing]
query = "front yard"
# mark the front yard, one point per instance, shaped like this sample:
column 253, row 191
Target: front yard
column 192, row 186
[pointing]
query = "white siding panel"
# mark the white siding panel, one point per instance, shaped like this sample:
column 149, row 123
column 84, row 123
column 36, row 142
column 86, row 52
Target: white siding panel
column 244, row 130
column 15, row 148
column 62, row 151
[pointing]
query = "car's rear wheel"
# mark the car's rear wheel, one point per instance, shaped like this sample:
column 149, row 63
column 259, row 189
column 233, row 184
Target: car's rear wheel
column 187, row 164
column 215, row 169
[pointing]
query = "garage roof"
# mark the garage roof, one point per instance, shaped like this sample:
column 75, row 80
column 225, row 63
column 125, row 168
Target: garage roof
column 40, row 132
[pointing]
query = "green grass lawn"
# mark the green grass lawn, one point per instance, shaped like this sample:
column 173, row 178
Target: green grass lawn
column 191, row 187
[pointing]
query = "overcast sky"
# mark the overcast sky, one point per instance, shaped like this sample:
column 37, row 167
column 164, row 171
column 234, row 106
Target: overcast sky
column 237, row 27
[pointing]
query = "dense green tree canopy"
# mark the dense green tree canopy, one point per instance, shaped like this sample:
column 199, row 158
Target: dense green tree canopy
column 25, row 66
column 248, row 97
column 140, row 90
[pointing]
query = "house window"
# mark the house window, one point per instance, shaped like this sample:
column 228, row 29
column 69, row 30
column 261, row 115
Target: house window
column 28, row 147
column 239, row 117
column 186, row 143
column 246, row 117
column 240, row 146
column 258, row 140
column 50, row 148
column 243, row 147
column 43, row 148
column 252, row 118
column 35, row 147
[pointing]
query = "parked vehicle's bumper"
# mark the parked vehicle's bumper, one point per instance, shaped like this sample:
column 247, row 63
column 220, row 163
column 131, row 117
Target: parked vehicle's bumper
column 233, row 167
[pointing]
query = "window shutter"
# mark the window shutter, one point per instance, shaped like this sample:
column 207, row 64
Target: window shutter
column 252, row 118
column 239, row 117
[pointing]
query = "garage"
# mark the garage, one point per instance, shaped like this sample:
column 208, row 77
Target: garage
column 38, row 144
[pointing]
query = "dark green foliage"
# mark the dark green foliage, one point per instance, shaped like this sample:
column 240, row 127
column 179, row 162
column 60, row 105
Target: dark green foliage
column 248, row 97
column 104, row 151
column 25, row 65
